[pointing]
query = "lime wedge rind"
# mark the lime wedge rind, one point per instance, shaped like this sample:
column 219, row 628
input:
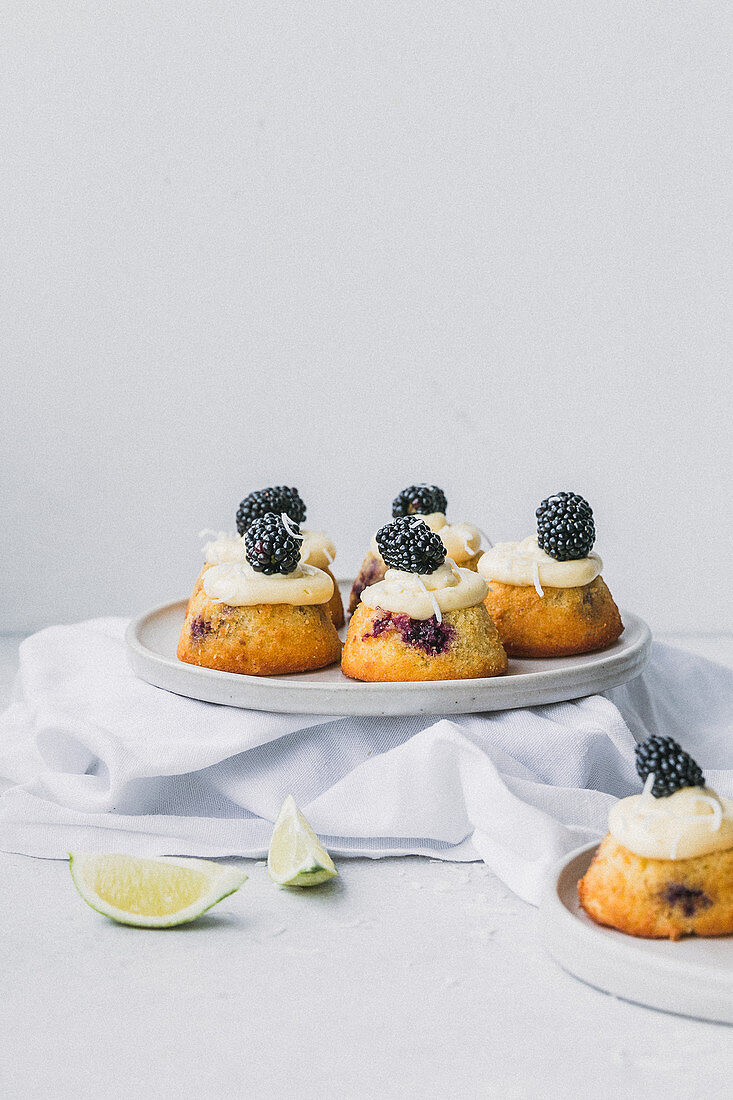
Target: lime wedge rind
column 217, row 882
column 296, row 856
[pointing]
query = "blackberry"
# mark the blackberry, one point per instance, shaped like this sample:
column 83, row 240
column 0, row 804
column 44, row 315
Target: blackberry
column 565, row 528
column 420, row 500
column 270, row 547
column 673, row 767
column 410, row 545
column 277, row 499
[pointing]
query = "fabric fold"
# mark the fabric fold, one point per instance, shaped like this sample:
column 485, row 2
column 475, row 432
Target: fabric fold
column 92, row 757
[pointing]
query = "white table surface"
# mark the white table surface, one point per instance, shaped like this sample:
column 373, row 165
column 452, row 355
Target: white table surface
column 409, row 978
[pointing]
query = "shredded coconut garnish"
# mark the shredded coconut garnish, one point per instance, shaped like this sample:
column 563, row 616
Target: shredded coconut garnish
column 717, row 814
column 536, row 578
column 287, row 524
column 650, row 809
column 431, row 597
column 646, row 794
column 469, row 549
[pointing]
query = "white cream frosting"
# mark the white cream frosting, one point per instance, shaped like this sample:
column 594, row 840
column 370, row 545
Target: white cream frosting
column 526, row 564
column 316, row 549
column 461, row 540
column 447, row 589
column 236, row 583
column 691, row 822
column 224, row 548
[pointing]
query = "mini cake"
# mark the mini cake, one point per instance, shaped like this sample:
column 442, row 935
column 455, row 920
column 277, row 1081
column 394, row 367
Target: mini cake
column 316, row 547
column 462, row 541
column 426, row 619
column 546, row 594
column 264, row 614
column 665, row 868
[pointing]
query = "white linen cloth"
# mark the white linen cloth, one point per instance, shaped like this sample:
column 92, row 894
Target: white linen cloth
column 93, row 758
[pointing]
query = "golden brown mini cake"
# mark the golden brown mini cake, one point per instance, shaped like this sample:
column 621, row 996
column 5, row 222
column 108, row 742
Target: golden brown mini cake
column 264, row 615
column 546, row 594
column 425, row 620
column 559, row 623
column 462, row 541
column 665, row 869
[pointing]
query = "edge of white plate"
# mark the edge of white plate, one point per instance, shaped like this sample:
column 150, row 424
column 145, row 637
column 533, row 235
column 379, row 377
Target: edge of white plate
column 658, row 974
column 354, row 698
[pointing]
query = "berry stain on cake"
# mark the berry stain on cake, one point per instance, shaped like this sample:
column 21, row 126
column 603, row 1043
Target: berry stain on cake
column 373, row 573
column 426, row 634
column 200, row 627
column 689, row 900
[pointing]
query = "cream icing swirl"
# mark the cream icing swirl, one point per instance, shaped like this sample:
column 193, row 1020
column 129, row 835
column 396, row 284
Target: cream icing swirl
column 316, row 549
column 691, row 822
column 461, row 540
column 448, row 588
column 239, row 585
column 525, row 564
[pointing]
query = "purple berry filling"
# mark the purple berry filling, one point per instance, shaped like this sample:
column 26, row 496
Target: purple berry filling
column 374, row 572
column 426, row 634
column 676, row 893
column 200, row 628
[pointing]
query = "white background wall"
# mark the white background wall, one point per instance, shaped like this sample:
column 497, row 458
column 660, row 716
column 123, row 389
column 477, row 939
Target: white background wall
column 353, row 245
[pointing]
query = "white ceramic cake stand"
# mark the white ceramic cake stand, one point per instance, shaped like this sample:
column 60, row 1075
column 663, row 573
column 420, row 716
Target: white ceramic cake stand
column 691, row 977
column 153, row 637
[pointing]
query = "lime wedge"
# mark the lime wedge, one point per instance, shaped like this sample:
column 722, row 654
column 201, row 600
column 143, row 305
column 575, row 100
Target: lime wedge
column 296, row 856
column 151, row 893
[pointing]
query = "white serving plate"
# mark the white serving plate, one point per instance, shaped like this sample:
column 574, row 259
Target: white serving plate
column 151, row 649
column 691, row 977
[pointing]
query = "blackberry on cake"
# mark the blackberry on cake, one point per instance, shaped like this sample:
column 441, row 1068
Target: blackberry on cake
column 565, row 527
column 673, row 768
column 409, row 544
column 276, row 499
column 271, row 547
column 422, row 500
